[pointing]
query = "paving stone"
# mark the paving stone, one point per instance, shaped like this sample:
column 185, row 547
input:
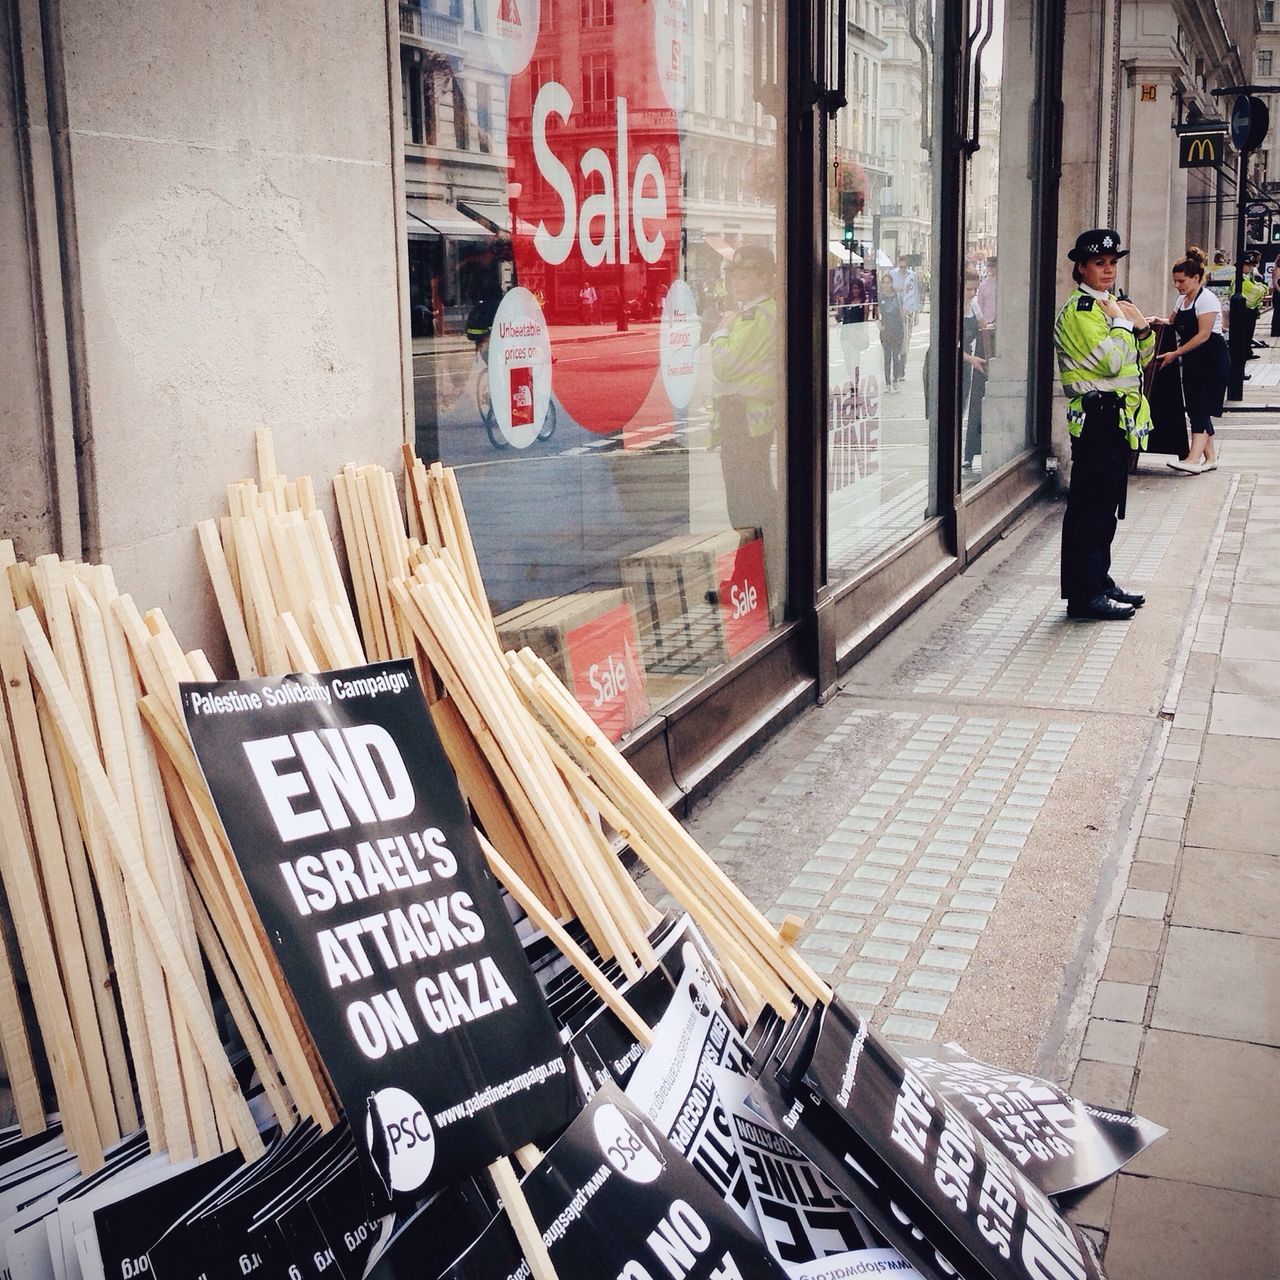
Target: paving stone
column 883, row 874
column 1126, row 965
column 909, row 915
column 1146, row 904
column 1116, row 1042
column 938, row 959
column 861, row 995
column 1246, row 715
column 1153, row 876
column 947, row 938
column 917, row 895
column 1240, row 762
column 899, row 1025
column 1120, row 1001
column 893, row 951
column 799, row 899
column 929, row 980
column 1235, row 817
column 835, row 944
column 825, row 965
column 1103, row 1084
column 975, row 884
column 1141, row 935
column 989, row 870
column 927, row 879
column 865, row 971
column 1221, row 1099
column 922, row 1002
column 1161, row 827
column 1169, row 806
column 1220, row 984
column 848, row 925
column 1162, row 851
column 927, row 863
column 1229, row 890
column 882, row 858
column 859, row 897
column 1090, row 1209
column 812, row 880
column 896, row 932
column 973, row 902
column 965, row 920
column 840, row 842
column 1180, row 1231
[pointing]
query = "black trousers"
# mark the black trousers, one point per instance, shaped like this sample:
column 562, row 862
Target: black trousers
column 1099, row 476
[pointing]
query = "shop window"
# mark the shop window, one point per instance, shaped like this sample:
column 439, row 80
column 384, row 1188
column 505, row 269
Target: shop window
column 1264, row 62
column 617, row 420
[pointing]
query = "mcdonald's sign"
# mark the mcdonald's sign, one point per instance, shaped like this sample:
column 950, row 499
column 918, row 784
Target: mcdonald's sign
column 1201, row 150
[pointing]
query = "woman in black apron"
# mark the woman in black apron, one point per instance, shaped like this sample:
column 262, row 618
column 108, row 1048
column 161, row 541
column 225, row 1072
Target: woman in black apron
column 1202, row 353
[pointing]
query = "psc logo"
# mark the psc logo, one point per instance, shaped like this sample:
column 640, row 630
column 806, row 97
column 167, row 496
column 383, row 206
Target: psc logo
column 595, row 149
column 401, row 1139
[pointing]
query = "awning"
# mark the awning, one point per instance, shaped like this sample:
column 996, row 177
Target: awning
column 722, row 247
column 494, row 217
column 836, row 249
column 428, row 217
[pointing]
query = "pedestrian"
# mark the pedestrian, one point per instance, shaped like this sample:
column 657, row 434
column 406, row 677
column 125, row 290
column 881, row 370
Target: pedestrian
column 1275, row 301
column 907, row 285
column 1203, row 356
column 974, row 349
column 1102, row 344
column 1255, row 295
column 893, row 333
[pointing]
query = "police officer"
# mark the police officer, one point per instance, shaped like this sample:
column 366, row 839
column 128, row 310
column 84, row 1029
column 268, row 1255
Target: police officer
column 744, row 365
column 1255, row 294
column 1103, row 343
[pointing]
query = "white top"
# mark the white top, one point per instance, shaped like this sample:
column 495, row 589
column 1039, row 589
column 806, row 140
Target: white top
column 1206, row 303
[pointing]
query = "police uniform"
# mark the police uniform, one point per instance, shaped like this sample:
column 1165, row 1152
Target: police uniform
column 744, row 367
column 1100, row 363
column 1255, row 294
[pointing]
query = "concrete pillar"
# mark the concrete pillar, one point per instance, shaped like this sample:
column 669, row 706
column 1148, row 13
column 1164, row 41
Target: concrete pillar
column 229, row 223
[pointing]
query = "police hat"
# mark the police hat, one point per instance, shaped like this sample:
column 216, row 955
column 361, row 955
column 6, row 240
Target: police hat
column 1093, row 244
column 753, row 257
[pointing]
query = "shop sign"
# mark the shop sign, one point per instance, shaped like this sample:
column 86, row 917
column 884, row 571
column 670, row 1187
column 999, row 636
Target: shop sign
column 519, row 369
column 743, row 595
column 1201, row 150
column 603, row 203
column 608, row 678
column 360, row 856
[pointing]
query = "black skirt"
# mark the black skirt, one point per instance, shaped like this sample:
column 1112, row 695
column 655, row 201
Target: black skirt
column 1164, row 394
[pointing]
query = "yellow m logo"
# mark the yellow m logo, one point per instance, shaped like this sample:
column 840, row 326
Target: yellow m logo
column 1201, row 149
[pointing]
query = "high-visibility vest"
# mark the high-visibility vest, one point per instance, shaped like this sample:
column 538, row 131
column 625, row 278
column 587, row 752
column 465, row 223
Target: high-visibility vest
column 744, row 364
column 1094, row 354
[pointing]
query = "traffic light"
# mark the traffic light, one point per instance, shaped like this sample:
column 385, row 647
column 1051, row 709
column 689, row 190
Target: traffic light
column 847, row 237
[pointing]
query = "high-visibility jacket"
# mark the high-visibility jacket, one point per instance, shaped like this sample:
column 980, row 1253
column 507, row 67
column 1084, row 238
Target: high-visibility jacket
column 1254, row 292
column 1096, row 355
column 744, row 365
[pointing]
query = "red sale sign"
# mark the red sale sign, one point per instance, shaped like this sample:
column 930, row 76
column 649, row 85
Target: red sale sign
column 744, row 598
column 608, row 678
column 595, row 152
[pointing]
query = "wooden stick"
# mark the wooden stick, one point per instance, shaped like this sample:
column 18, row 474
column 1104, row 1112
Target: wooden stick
column 228, row 604
column 54, row 870
column 18, row 1061
column 142, row 890
column 565, row 944
column 527, row 1233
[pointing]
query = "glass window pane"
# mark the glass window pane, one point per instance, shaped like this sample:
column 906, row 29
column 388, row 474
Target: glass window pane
column 597, row 339
column 882, row 167
column 998, row 241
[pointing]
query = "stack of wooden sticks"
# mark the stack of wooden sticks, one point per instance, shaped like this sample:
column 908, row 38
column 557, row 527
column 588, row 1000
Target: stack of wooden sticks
column 110, row 932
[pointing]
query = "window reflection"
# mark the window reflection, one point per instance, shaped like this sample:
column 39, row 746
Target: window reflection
column 593, row 212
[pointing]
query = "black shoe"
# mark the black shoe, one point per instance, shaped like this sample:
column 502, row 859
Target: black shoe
column 1126, row 597
column 1099, row 609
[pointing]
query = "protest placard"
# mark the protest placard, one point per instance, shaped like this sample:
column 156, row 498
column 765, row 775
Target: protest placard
column 360, row 856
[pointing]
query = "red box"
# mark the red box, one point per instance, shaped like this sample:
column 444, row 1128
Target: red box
column 744, row 597
column 608, row 678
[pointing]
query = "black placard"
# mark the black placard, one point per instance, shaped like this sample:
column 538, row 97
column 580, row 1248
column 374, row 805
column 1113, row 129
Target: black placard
column 357, row 849
column 1059, row 1142
column 929, row 1182
column 613, row 1198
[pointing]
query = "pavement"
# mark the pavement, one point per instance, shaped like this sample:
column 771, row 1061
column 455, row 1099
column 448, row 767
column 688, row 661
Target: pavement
column 1055, row 843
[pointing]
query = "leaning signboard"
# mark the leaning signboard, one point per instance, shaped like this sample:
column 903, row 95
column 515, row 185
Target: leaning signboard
column 358, row 852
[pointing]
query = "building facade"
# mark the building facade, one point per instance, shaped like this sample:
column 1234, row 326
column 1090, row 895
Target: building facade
column 687, row 292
